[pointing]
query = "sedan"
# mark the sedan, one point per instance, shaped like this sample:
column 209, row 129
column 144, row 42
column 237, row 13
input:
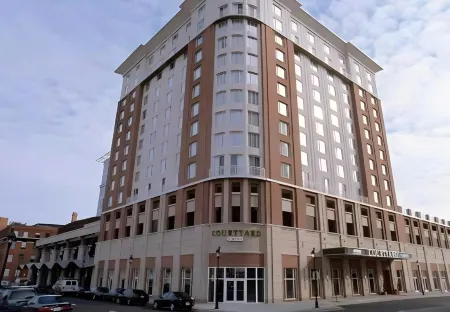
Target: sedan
column 132, row 297
column 112, row 295
column 47, row 303
column 174, row 301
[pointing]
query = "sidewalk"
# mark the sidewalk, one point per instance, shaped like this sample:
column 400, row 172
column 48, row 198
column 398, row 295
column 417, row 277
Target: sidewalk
column 324, row 304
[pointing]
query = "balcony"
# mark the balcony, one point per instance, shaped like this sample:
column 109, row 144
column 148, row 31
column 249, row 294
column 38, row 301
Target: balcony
column 241, row 171
column 333, row 191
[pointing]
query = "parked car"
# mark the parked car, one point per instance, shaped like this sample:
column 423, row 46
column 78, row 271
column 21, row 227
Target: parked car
column 13, row 299
column 174, row 301
column 45, row 289
column 112, row 295
column 132, row 297
column 66, row 286
column 48, row 303
column 99, row 292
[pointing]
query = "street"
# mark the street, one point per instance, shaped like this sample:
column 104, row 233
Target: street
column 102, row 306
column 435, row 304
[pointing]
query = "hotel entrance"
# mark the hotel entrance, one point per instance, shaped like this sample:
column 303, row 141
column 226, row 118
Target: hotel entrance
column 236, row 285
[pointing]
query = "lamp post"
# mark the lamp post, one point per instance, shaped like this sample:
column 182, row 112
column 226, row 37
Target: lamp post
column 313, row 254
column 130, row 278
column 420, row 276
column 217, row 278
column 10, row 238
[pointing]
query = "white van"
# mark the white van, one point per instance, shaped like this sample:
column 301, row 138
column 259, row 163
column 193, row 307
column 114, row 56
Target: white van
column 66, row 286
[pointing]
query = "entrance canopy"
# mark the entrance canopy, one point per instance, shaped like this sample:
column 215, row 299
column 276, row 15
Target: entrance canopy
column 369, row 253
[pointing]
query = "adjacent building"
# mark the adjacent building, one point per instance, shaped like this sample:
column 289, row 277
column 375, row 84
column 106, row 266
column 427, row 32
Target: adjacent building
column 67, row 254
column 21, row 251
column 248, row 125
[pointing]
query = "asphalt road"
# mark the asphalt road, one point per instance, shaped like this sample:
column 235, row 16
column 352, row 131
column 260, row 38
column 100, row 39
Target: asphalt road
column 436, row 304
column 102, row 306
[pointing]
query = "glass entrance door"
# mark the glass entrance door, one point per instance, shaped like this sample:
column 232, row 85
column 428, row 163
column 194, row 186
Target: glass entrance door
column 235, row 290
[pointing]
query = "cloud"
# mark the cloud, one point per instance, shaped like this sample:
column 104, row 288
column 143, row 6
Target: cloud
column 410, row 39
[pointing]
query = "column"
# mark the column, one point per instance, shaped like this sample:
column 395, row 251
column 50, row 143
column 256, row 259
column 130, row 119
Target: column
column 116, row 274
column 38, row 277
column 81, row 250
column 105, row 274
column 94, row 276
column 340, row 215
column 30, row 274
column 53, row 253
column 364, row 277
column 142, row 275
column 246, row 201
column 226, row 200
column 134, row 220
column 66, row 253
column 326, row 277
column 162, row 213
column 49, row 278
column 380, row 275
column 322, row 212
column 346, row 277
column 175, row 284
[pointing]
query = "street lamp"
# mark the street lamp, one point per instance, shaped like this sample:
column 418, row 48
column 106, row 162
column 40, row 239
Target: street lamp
column 217, row 278
column 10, row 238
column 313, row 254
column 420, row 276
column 131, row 259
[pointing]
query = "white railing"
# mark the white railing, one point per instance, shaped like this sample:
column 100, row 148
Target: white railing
column 237, row 171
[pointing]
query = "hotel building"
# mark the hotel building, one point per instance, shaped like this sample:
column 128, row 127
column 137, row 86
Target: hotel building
column 248, row 125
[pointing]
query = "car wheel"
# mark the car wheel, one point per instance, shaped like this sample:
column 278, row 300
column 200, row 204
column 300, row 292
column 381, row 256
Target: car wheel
column 172, row 307
column 118, row 301
column 155, row 305
column 129, row 301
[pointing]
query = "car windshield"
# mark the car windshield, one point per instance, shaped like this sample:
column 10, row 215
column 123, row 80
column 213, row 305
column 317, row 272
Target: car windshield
column 21, row 294
column 103, row 289
column 139, row 292
column 50, row 299
column 181, row 294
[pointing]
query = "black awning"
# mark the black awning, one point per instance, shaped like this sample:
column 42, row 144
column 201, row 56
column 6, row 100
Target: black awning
column 370, row 253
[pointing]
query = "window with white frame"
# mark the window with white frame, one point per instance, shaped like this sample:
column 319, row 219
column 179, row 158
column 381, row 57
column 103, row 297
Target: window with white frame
column 191, row 170
column 318, row 112
column 375, row 113
column 323, row 165
column 304, row 158
column 331, row 90
column 285, row 170
column 316, row 95
column 311, row 38
column 371, row 164
column 388, row 201
column 282, row 108
column 253, row 119
column 253, row 140
column 300, row 102
column 369, row 149
column 197, row 72
column 276, row 10
column 299, row 85
column 321, row 146
column 193, row 149
column 314, row 80
column 237, row 95
column 222, row 43
column 252, row 78
column 252, row 59
column 278, row 40
column 198, row 56
column 253, row 98
column 334, row 120
column 290, row 283
column 194, row 128
column 149, row 281
column 326, row 49
column 376, row 197
column 220, row 98
column 319, row 129
column 166, row 280
column 298, row 70
column 186, row 281
column 340, row 171
column 218, row 139
column 237, row 41
column 382, row 155
column 163, row 165
column 373, row 179
column 303, row 140
column 336, row 136
column 301, row 121
column 339, row 154
column 283, row 128
column 196, row 91
column 284, row 149
column 279, row 55
column 294, row 26
column 281, row 90
column 277, row 24
column 281, row 72
column 384, row 169
column 221, row 78
column 222, row 60
column 386, row 185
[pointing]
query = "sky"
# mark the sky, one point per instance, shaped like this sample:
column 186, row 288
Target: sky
column 58, row 94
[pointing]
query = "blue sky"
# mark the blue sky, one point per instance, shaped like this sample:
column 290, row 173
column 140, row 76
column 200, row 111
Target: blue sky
column 58, row 93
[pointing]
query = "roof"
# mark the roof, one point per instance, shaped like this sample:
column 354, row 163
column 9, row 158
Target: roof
column 72, row 226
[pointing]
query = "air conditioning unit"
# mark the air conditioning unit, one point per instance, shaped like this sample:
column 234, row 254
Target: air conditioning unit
column 427, row 217
column 418, row 214
column 442, row 221
column 409, row 212
column 436, row 219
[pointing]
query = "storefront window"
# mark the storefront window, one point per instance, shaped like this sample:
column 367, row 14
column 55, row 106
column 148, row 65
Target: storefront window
column 186, row 281
column 355, row 281
column 426, row 283
column 372, row 281
column 167, row 279
column 400, row 280
column 444, row 281
column 314, row 282
column 436, row 280
column 290, row 283
column 149, row 281
column 336, row 282
column 416, row 280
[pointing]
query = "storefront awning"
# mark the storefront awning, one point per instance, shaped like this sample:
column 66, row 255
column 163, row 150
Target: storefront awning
column 369, row 253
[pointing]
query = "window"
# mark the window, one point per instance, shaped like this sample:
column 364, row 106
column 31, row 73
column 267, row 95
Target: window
column 318, row 112
column 283, row 127
column 198, row 56
column 303, row 140
column 120, row 198
column 130, row 121
column 375, row 113
column 301, row 121
column 223, row 24
column 336, row 136
column 277, row 24
column 294, row 26
column 124, row 165
column 196, row 91
column 237, row 40
column 194, row 128
column 276, row 10
column 279, row 55
column 194, row 109
column 388, row 201
column 314, row 80
column 236, row 138
column 298, row 70
column 340, row 171
column 198, row 40
column 281, row 72
column 386, row 185
column 367, row 134
column 253, row 140
column 191, row 171
column 236, row 117
column 290, row 283
column 284, row 149
column 252, row 60
column 163, row 165
column 384, row 169
column 222, row 43
column 374, row 181
column 316, row 95
column 333, row 105
column 219, row 119
column 192, row 149
column 331, row 90
column 334, row 120
column 376, row 197
column 253, row 119
column 237, row 76
column 311, row 38
column 222, row 60
column 197, row 72
column 369, row 149
column 299, row 85
column 304, row 158
column 339, row 154
column 286, row 170
column 357, row 68
column 252, row 43
column 218, row 139
column 237, row 96
column 253, row 97
column 377, row 126
column 221, row 78
column 151, row 154
column 365, row 120
column 319, row 129
column 282, row 109
column 281, row 89
column 326, row 49
column 166, row 130
column 220, row 98
column 323, row 165
column 278, row 40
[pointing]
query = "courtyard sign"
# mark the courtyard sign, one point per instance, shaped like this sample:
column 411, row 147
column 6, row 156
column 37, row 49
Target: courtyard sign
column 237, row 233
column 362, row 252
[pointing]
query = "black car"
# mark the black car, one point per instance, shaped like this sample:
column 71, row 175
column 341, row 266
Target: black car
column 174, row 301
column 112, row 295
column 99, row 292
column 47, row 303
column 132, row 297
